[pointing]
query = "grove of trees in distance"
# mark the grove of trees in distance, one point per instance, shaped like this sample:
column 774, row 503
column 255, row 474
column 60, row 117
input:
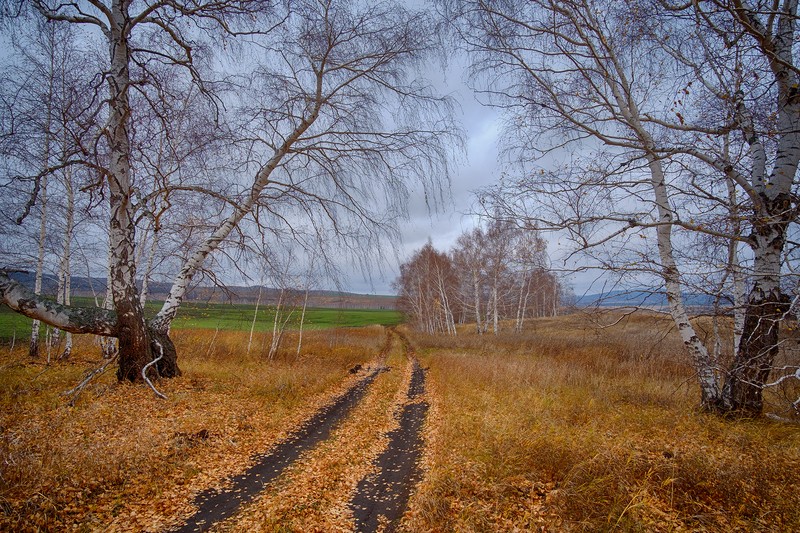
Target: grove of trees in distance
column 500, row 273
column 660, row 138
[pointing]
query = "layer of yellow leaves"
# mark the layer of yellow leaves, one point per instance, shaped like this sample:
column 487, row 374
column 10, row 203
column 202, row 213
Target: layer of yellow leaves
column 561, row 428
column 314, row 494
column 121, row 459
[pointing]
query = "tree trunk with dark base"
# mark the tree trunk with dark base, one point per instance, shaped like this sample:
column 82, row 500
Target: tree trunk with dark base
column 743, row 390
column 134, row 342
column 132, row 332
column 742, row 393
column 136, row 350
column 161, row 343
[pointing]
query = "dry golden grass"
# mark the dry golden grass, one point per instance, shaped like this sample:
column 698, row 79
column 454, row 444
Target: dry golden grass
column 121, row 459
column 563, row 427
column 567, row 428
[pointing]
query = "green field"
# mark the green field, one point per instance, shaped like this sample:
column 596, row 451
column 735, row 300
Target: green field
column 227, row 317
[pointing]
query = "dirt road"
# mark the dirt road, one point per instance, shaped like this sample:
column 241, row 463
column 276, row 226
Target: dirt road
column 352, row 465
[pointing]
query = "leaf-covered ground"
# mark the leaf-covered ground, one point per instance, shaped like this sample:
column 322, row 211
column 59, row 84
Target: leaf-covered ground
column 121, row 459
column 569, row 428
column 564, row 427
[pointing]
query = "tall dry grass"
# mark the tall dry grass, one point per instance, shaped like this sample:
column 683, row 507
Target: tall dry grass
column 119, row 458
column 566, row 427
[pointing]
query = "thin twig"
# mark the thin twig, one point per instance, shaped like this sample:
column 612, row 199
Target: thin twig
column 37, row 376
column 151, row 363
column 89, row 376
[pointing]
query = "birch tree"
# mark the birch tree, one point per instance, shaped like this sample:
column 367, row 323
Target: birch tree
column 500, row 265
column 44, row 124
column 468, row 261
column 329, row 103
column 590, row 83
column 426, row 288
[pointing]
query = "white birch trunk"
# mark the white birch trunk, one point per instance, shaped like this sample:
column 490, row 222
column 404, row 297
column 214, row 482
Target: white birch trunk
column 706, row 372
column 170, row 308
column 108, row 345
column 476, row 287
column 495, row 310
column 37, row 287
column 133, row 336
column 73, row 319
column 449, row 321
column 65, row 270
column 273, row 347
column 524, row 295
column 773, row 212
column 302, row 322
column 149, row 266
column 47, row 150
column 701, row 359
column 253, row 323
column 735, row 270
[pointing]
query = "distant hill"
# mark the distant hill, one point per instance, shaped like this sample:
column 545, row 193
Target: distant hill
column 644, row 298
column 91, row 287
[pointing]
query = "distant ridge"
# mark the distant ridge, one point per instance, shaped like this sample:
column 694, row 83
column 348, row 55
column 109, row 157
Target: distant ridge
column 646, row 298
column 96, row 287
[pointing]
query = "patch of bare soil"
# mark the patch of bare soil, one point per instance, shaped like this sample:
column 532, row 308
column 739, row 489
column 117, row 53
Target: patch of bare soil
column 217, row 505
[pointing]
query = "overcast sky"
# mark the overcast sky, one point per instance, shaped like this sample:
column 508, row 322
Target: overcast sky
column 480, row 168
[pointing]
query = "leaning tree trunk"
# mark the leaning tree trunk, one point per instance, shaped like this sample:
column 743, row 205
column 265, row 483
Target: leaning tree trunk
column 706, row 372
column 703, row 364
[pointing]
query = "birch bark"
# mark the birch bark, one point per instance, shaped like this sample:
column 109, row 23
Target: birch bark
column 701, row 359
column 773, row 211
column 166, row 315
column 65, row 270
column 134, row 339
column 33, row 350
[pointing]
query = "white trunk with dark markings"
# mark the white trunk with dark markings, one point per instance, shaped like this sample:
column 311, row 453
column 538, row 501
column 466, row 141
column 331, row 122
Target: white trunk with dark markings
column 134, row 340
column 166, row 315
column 73, row 319
column 701, row 359
column 65, row 271
column 33, row 349
column 773, row 212
column 703, row 363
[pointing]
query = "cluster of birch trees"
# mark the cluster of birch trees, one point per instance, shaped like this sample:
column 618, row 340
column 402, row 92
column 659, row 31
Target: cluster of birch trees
column 491, row 276
column 190, row 137
column 43, row 99
column 663, row 139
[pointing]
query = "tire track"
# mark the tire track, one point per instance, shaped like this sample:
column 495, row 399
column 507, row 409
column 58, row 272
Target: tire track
column 215, row 506
column 382, row 497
